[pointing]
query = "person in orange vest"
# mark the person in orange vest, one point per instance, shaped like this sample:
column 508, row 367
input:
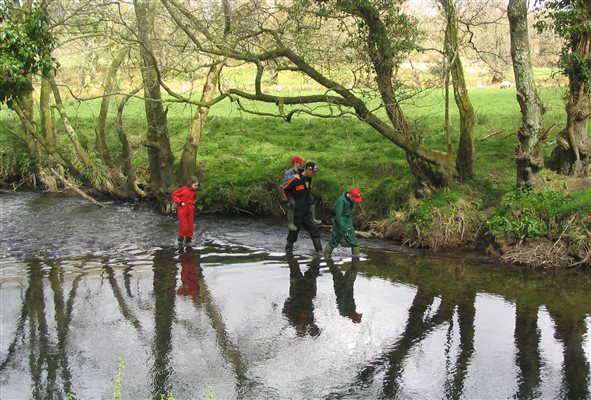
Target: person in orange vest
column 299, row 187
column 184, row 197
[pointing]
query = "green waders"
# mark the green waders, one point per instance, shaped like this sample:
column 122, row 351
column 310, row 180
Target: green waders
column 290, row 219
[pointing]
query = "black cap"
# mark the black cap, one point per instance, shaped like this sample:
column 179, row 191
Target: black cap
column 311, row 165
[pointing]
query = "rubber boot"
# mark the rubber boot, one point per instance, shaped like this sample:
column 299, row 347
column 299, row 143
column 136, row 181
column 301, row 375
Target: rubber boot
column 181, row 242
column 313, row 211
column 328, row 251
column 317, row 244
column 289, row 247
column 290, row 218
column 188, row 242
column 355, row 251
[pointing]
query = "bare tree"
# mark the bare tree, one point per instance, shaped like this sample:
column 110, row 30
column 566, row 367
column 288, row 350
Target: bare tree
column 368, row 36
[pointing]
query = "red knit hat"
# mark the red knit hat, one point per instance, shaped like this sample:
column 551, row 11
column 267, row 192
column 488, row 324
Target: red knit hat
column 298, row 160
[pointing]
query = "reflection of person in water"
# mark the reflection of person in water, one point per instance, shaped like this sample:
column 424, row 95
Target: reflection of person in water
column 190, row 274
column 299, row 306
column 343, row 288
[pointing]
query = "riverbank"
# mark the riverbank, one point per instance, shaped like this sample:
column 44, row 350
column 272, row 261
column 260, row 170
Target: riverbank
column 544, row 228
column 242, row 159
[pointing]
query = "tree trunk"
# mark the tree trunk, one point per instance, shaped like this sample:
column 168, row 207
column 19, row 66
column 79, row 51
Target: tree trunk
column 59, row 105
column 466, row 157
column 23, row 106
column 189, row 157
column 47, row 121
column 126, row 150
column 528, row 153
column 94, row 175
column 429, row 174
column 571, row 155
column 109, row 84
column 159, row 152
column 446, row 117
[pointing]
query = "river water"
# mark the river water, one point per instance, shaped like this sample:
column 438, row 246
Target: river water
column 97, row 303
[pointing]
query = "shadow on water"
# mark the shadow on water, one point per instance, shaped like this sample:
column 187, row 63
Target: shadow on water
column 237, row 321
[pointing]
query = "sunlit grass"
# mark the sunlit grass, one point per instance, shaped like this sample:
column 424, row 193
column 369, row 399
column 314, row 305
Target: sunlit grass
column 244, row 156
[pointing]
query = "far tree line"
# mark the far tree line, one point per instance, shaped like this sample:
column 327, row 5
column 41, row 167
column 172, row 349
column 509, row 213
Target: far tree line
column 352, row 49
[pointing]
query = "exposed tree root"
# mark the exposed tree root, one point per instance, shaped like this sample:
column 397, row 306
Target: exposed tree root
column 75, row 188
column 540, row 254
column 459, row 229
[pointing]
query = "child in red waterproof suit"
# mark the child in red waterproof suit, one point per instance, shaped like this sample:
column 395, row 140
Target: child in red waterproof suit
column 184, row 197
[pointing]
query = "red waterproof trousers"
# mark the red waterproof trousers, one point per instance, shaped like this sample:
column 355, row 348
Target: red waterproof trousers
column 186, row 212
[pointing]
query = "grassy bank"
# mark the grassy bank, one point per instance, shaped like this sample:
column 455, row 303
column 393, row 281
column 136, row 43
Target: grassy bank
column 243, row 158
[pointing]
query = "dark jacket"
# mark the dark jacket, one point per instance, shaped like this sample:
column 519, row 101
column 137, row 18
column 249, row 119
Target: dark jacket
column 299, row 189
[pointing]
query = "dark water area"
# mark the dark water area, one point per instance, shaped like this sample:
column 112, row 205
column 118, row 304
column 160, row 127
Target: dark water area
column 98, row 300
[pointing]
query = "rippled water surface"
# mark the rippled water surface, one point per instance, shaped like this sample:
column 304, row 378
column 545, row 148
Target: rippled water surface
column 96, row 300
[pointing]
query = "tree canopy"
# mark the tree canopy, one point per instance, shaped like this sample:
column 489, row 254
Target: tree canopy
column 25, row 47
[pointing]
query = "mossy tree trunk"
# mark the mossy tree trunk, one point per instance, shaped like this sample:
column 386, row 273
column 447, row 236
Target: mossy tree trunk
column 160, row 155
column 108, row 86
column 23, row 107
column 188, row 166
column 126, row 153
column 209, row 94
column 571, row 155
column 432, row 172
column 528, row 153
column 466, row 155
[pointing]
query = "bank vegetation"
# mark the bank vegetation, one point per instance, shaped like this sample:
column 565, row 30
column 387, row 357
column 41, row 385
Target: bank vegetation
column 457, row 133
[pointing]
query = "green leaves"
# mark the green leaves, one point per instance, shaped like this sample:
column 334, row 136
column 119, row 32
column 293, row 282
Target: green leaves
column 571, row 20
column 26, row 44
column 525, row 213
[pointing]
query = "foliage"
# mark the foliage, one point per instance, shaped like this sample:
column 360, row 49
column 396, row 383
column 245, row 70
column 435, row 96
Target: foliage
column 14, row 165
column 167, row 396
column 525, row 213
column 25, row 47
column 117, row 383
column 422, row 214
column 571, row 20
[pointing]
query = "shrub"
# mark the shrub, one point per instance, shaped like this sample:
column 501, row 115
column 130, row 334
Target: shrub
column 525, row 213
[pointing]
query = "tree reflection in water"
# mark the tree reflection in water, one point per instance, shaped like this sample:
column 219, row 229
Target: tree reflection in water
column 164, row 301
column 48, row 364
column 39, row 343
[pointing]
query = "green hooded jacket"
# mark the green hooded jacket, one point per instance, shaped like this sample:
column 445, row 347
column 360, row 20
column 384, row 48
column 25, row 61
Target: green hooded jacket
column 343, row 213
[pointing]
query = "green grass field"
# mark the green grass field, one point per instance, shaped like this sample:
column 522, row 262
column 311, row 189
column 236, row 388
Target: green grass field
column 244, row 156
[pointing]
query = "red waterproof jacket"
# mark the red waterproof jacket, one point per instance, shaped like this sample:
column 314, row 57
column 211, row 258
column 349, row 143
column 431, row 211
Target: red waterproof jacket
column 186, row 195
